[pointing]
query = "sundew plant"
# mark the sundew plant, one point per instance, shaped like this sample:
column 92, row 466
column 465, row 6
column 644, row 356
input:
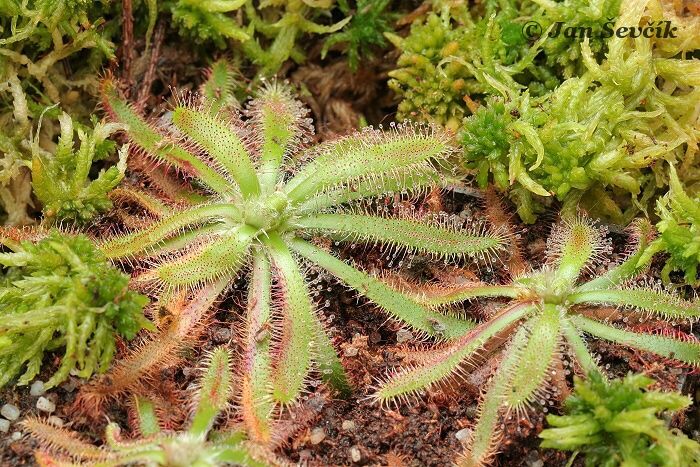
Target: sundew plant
column 551, row 313
column 155, row 223
column 199, row 445
column 254, row 195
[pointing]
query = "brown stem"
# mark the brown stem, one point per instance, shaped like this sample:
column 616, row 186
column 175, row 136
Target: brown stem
column 127, row 48
column 150, row 75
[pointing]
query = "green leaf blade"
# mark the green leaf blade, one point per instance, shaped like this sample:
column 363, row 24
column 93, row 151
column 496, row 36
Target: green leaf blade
column 396, row 304
column 298, row 335
column 404, row 234
column 688, row 352
column 369, row 155
column 450, row 360
column 643, row 299
column 536, row 357
column 223, row 145
column 157, row 145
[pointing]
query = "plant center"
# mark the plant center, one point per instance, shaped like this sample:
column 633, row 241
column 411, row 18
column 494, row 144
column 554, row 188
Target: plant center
column 544, row 287
column 267, row 212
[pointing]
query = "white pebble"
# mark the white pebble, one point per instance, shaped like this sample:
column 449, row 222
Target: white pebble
column 317, row 435
column 16, row 436
column 348, row 425
column 403, row 335
column 10, row 412
column 70, row 385
column 463, row 434
column 355, row 454
column 55, row 421
column 350, row 351
column 45, row 405
column 37, row 389
column 4, row 425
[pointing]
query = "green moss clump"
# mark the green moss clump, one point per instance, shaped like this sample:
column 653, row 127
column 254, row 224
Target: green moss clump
column 207, row 21
column 438, row 74
column 576, row 19
column 429, row 90
column 597, row 140
column 364, row 31
column 61, row 179
column 267, row 32
column 679, row 232
column 60, row 292
column 616, row 423
column 52, row 52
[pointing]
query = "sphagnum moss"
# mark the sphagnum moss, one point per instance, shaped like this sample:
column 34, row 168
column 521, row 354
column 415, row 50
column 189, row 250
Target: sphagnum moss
column 58, row 291
column 598, row 140
column 618, row 422
column 679, row 232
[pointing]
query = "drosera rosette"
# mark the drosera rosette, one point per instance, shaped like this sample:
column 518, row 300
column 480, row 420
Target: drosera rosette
column 59, row 293
column 200, row 444
column 550, row 313
column 619, row 422
column 253, row 194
